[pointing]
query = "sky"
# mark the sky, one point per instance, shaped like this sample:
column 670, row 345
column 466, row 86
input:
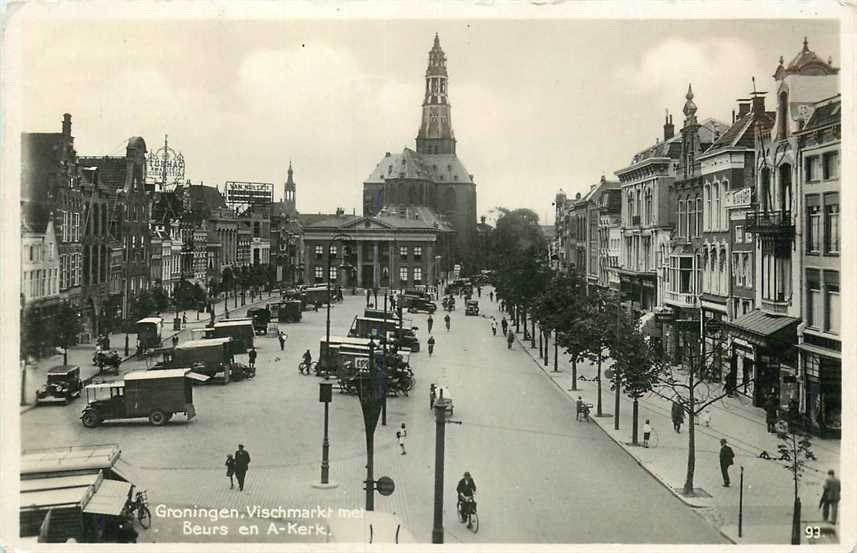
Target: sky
column 537, row 105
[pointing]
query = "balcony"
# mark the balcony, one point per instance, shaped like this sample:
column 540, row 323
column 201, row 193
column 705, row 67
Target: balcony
column 778, row 223
column 780, row 305
column 681, row 299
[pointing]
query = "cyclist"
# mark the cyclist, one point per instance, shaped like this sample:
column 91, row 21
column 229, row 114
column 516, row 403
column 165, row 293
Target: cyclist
column 307, row 362
column 446, row 321
column 466, row 488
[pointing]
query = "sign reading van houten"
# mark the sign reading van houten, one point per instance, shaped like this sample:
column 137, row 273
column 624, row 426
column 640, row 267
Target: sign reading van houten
column 249, row 193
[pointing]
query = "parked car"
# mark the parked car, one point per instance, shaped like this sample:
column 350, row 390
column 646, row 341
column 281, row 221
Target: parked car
column 365, row 327
column 417, row 305
column 149, row 331
column 289, row 311
column 405, row 338
column 240, row 330
column 63, row 385
column 156, row 395
column 261, row 317
column 211, row 357
column 471, row 307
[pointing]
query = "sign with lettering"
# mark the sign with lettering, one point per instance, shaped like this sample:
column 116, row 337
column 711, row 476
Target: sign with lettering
column 165, row 167
column 738, row 197
column 249, row 193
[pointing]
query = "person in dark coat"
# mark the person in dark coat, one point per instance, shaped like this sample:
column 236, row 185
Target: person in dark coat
column 677, row 416
column 430, row 345
column 430, row 323
column 727, row 457
column 230, row 469
column 830, row 496
column 505, row 324
column 771, row 408
column 252, row 356
column 282, row 340
column 242, row 462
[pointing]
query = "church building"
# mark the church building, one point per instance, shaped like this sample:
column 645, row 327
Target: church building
column 430, row 177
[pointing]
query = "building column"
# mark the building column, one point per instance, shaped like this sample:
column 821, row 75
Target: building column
column 359, row 264
column 376, row 266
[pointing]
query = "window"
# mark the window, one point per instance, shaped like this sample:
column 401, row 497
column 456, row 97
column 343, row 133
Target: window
column 812, row 168
column 739, row 234
column 332, row 251
column 319, row 252
column 813, row 227
column 748, row 237
column 681, row 221
column 319, row 273
column 418, row 253
column 748, row 271
column 332, row 274
column 403, row 274
column 691, row 218
column 649, row 207
column 831, row 165
column 707, row 207
column 814, row 305
column 831, row 223
column 403, row 253
column 831, row 302
column 736, row 270
column 716, row 213
column 698, row 216
column 418, row 275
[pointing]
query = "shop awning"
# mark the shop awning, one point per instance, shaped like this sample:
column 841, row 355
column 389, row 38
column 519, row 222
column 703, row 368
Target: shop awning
column 766, row 329
column 109, row 499
column 824, row 352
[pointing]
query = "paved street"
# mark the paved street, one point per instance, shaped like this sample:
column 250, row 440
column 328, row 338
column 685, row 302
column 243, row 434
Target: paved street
column 541, row 477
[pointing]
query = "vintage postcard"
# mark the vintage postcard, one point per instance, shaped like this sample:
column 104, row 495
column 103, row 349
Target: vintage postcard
column 486, row 276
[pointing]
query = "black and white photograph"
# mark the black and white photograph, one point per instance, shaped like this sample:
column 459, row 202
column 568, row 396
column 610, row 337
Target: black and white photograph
column 471, row 276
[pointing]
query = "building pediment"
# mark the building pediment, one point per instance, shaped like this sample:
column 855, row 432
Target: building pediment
column 367, row 223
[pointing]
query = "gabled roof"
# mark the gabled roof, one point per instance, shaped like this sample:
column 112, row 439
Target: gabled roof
column 438, row 168
column 827, row 112
column 668, row 148
column 113, row 171
column 206, row 198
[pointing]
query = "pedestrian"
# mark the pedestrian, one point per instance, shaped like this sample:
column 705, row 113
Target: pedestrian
column 705, row 418
column 491, row 295
column 430, row 323
column 727, row 457
column 282, row 340
column 230, row 469
column 175, row 340
column 478, row 291
column 99, row 355
column 430, row 345
column 505, row 324
column 581, row 408
column 771, row 408
column 829, row 503
column 647, row 433
column 677, row 416
column 510, row 337
column 446, row 320
column 184, row 320
column 401, row 435
column 226, row 312
column 242, row 462
column 252, row 356
column 494, row 326
column 432, row 395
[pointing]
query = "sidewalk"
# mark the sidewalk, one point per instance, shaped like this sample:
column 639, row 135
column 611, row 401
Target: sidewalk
column 35, row 374
column 768, row 487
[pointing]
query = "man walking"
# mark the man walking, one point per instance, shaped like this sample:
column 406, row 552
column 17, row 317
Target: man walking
column 771, row 413
column 282, row 340
column 242, row 462
column 430, row 323
column 830, row 497
column 491, row 295
column 401, row 435
column 677, row 416
column 252, row 357
column 505, row 324
column 446, row 321
column 431, row 345
column 727, row 457
column 510, row 338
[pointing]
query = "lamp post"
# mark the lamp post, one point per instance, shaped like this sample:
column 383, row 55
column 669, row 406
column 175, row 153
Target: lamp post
column 326, row 360
column 440, row 436
column 370, row 391
column 325, row 395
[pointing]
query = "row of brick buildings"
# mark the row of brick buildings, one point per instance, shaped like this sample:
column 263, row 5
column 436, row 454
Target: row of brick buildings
column 95, row 235
column 732, row 230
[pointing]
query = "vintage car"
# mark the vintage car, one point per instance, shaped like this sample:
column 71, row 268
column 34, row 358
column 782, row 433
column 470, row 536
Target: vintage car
column 289, row 311
column 240, row 330
column 365, row 327
column 149, row 331
column 471, row 307
column 380, row 314
column 62, row 386
column 211, row 357
column 416, row 305
column 405, row 338
column 156, row 395
column 261, row 316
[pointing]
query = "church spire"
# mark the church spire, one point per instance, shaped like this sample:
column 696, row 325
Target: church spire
column 436, row 136
column 290, row 190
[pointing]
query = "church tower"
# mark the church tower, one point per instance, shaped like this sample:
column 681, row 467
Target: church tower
column 289, row 194
column 435, row 136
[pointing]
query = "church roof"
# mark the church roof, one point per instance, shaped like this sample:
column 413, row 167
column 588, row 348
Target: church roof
column 806, row 62
column 437, row 168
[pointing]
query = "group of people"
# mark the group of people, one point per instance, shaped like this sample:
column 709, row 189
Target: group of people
column 236, row 466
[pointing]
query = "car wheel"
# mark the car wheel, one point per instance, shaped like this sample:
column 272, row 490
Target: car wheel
column 90, row 418
column 158, row 417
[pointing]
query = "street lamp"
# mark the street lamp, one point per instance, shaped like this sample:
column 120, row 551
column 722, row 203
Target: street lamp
column 326, row 360
column 325, row 395
column 370, row 391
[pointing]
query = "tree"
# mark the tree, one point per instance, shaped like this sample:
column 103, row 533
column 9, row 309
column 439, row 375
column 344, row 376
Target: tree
column 795, row 449
column 64, row 327
column 637, row 365
column 693, row 388
column 227, row 279
column 560, row 306
column 594, row 332
column 159, row 299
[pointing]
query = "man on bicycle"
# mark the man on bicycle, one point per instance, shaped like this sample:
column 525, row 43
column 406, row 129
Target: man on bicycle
column 466, row 488
column 307, row 361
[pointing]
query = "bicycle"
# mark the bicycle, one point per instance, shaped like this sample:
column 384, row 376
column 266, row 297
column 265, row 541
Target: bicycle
column 139, row 505
column 303, row 368
column 471, row 518
column 584, row 409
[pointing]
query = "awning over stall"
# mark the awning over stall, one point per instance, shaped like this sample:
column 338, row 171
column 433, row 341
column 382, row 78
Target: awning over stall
column 109, row 499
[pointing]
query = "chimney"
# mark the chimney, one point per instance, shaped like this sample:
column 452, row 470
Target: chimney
column 758, row 103
column 669, row 129
column 743, row 107
column 733, row 116
column 482, row 219
column 66, row 125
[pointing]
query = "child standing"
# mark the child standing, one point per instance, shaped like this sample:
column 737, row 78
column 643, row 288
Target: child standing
column 230, row 469
column 401, row 435
column 647, row 433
